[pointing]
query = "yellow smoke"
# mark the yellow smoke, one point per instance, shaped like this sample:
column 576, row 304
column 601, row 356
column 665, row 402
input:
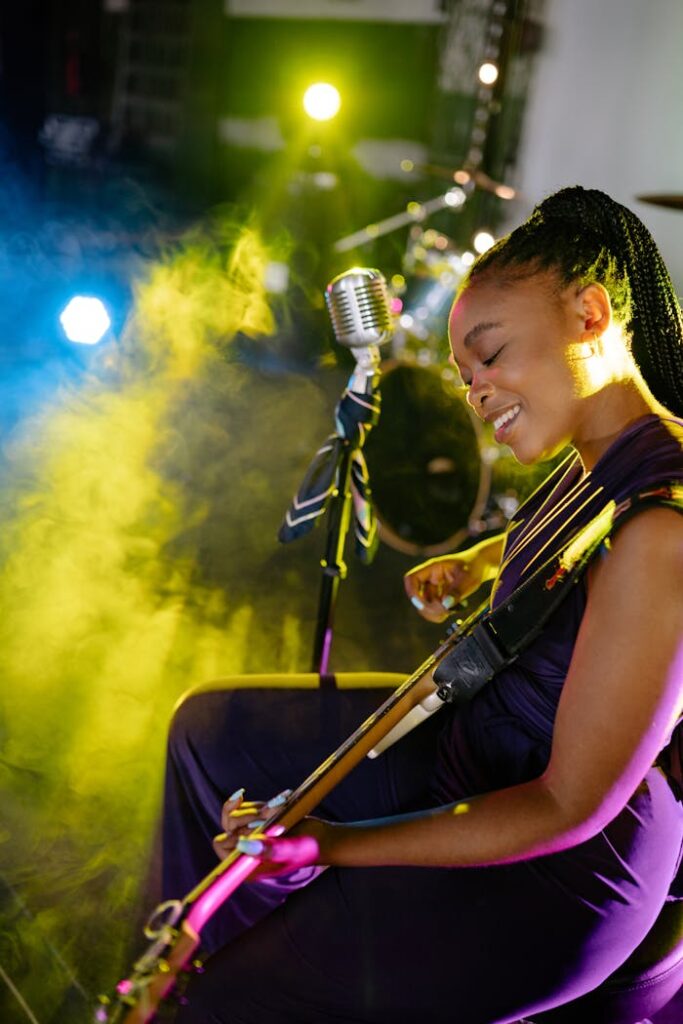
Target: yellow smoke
column 121, row 581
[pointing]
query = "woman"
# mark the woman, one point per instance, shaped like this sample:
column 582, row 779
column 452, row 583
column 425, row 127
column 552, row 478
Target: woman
column 505, row 859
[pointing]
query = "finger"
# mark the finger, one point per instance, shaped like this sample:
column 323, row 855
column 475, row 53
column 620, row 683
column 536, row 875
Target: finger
column 224, row 842
column 435, row 613
column 414, row 580
column 279, row 800
column 223, row 845
column 457, row 573
column 420, row 593
column 413, row 591
column 245, row 810
column 234, row 800
column 433, row 591
column 237, row 821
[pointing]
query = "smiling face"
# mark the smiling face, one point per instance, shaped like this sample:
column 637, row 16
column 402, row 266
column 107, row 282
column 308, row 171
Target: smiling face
column 524, row 351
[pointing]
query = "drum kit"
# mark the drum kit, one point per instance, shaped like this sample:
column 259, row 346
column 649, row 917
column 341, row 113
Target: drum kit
column 438, row 478
column 430, row 458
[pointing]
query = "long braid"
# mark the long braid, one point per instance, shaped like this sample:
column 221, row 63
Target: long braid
column 584, row 235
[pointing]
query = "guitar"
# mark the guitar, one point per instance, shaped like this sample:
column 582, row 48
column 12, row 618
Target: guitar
column 175, row 927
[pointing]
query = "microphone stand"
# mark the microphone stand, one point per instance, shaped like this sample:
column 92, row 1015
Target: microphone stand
column 363, row 380
column 333, row 565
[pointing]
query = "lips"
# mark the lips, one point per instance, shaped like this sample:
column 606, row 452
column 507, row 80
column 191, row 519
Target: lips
column 502, row 422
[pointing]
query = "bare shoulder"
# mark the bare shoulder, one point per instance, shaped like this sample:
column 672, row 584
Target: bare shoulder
column 653, row 524
column 649, row 549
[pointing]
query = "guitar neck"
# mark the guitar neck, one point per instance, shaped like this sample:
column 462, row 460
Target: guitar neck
column 327, row 775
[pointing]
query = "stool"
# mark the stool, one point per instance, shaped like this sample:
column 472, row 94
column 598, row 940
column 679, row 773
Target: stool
column 644, row 984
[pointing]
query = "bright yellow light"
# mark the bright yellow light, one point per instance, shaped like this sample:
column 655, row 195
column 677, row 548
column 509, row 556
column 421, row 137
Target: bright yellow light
column 488, row 73
column 321, row 101
column 462, row 808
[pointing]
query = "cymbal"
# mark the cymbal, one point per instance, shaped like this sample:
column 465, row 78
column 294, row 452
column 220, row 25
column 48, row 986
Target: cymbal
column 672, row 201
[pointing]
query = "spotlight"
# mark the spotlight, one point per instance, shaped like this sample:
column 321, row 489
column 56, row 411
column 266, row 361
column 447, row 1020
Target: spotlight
column 85, row 320
column 322, row 101
column 454, row 197
column 482, row 241
column 488, row 73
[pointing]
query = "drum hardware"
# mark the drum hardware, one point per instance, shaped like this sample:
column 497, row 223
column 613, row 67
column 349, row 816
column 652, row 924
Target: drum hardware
column 422, row 296
column 470, row 178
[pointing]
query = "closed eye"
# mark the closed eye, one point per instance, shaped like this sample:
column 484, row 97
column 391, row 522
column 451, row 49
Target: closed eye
column 485, row 362
column 492, row 359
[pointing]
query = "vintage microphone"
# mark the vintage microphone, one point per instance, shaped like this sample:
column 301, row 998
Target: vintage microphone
column 337, row 479
column 359, row 308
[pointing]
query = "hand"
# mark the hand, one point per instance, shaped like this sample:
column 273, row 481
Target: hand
column 239, row 817
column 436, row 586
column 283, row 855
column 245, row 823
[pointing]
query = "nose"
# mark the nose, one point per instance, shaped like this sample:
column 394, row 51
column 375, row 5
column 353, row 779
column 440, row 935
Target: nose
column 479, row 390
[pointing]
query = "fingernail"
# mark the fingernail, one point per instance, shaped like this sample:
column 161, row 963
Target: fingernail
column 221, row 837
column 280, row 799
column 448, row 601
column 237, row 794
column 417, row 602
column 252, row 847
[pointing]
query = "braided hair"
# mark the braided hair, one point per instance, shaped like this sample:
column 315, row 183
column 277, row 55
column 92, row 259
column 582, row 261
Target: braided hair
column 584, row 236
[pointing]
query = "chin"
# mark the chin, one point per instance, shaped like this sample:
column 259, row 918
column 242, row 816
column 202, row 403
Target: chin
column 525, row 458
column 528, row 454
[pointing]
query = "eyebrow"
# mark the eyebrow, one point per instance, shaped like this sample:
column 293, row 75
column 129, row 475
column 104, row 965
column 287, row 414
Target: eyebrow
column 480, row 328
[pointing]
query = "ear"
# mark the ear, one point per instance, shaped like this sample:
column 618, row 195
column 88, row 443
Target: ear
column 594, row 310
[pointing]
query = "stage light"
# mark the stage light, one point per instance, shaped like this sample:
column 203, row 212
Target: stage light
column 85, row 320
column 488, row 73
column 322, row 101
column 454, row 197
column 467, row 258
column 482, row 241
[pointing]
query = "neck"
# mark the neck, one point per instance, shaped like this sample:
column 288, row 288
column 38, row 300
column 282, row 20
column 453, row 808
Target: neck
column 608, row 414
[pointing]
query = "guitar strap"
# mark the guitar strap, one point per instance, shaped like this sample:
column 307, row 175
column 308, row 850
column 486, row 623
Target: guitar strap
column 499, row 636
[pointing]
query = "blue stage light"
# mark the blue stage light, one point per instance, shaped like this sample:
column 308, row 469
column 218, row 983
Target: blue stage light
column 85, row 320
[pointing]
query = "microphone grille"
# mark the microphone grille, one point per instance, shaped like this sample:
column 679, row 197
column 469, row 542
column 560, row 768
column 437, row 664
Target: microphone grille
column 359, row 308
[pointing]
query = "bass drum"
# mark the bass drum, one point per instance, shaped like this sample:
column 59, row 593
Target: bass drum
column 429, row 483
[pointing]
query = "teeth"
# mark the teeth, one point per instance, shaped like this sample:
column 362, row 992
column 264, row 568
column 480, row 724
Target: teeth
column 506, row 417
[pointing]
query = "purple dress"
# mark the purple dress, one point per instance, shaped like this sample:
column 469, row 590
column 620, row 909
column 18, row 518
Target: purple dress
column 391, row 945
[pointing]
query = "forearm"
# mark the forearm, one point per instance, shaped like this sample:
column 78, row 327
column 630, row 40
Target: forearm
column 500, row 827
column 486, row 556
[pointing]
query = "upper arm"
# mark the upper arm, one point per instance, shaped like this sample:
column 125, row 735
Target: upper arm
column 624, row 688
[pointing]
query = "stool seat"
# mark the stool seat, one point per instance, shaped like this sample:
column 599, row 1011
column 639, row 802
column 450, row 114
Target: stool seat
column 644, row 984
